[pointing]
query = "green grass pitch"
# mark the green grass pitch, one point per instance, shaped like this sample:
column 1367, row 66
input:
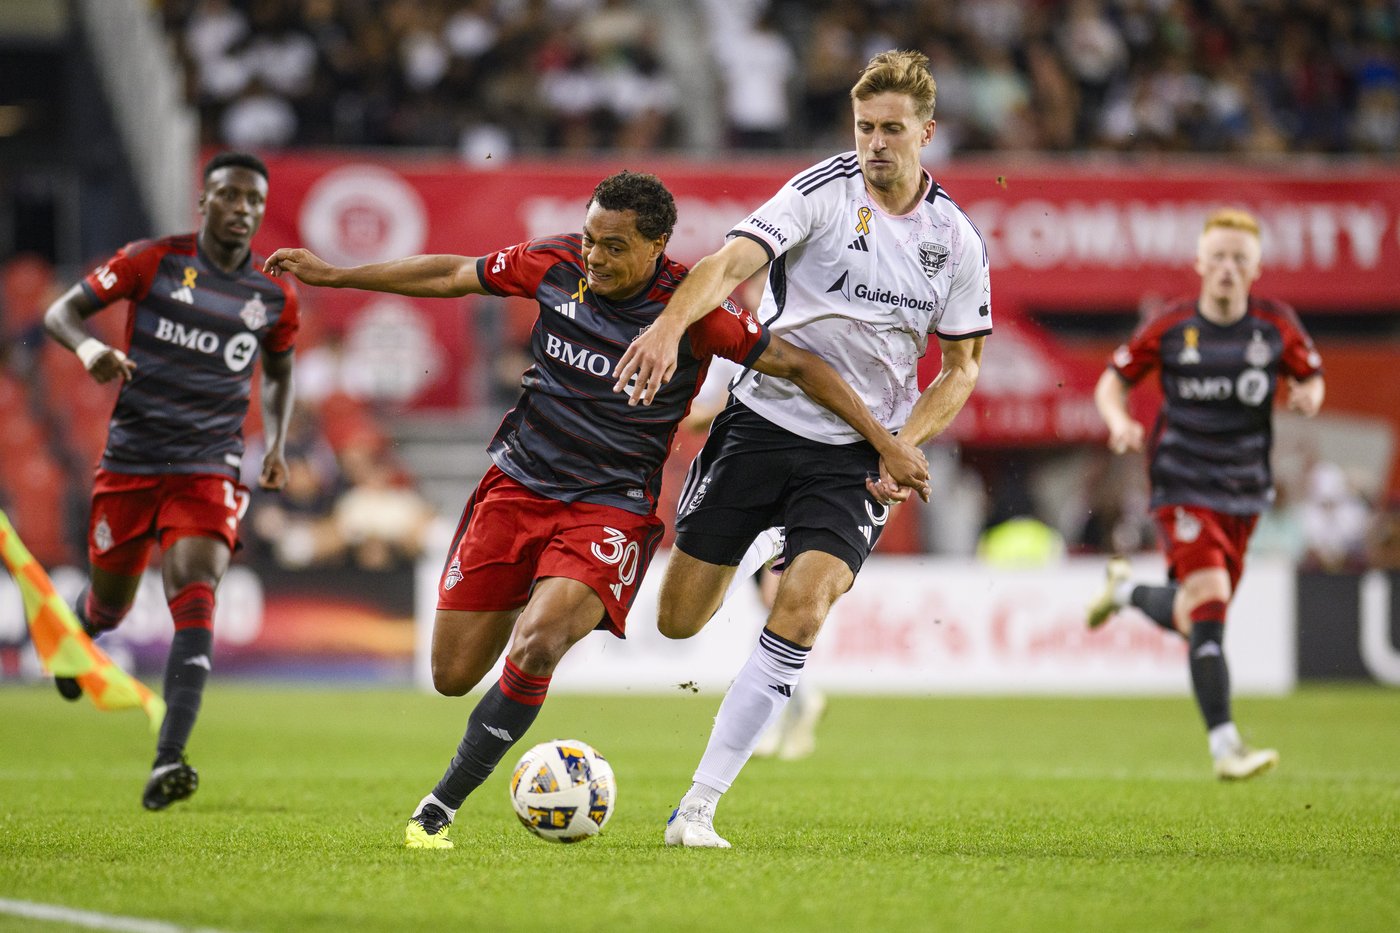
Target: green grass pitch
column 915, row 814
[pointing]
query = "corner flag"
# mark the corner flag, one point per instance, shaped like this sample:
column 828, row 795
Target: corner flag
column 59, row 639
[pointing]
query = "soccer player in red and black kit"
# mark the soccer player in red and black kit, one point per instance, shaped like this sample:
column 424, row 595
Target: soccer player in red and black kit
column 1220, row 358
column 557, row 537
column 200, row 313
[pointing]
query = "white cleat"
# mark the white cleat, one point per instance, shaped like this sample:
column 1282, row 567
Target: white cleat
column 694, row 827
column 1106, row 603
column 1245, row 764
column 800, row 730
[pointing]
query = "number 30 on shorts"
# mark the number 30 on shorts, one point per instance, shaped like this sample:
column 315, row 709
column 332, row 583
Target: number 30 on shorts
column 237, row 502
column 617, row 551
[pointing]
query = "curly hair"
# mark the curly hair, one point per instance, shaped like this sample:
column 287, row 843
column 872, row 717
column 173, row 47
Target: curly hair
column 899, row 72
column 642, row 193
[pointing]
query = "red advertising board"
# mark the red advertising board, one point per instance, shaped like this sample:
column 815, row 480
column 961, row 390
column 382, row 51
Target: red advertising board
column 1078, row 238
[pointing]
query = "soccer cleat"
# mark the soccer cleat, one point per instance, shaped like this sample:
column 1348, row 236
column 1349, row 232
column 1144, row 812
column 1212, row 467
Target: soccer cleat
column 800, row 729
column 693, row 826
column 169, row 783
column 1106, row 604
column 68, row 687
column 1245, row 764
column 427, row 829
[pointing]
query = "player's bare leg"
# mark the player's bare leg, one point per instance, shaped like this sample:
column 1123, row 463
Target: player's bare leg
column 809, row 587
column 466, row 645
column 101, row 606
column 1201, row 605
column 560, row 612
column 691, row 593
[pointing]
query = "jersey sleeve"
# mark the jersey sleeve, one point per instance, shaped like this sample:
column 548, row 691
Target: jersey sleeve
column 969, row 309
column 731, row 332
column 516, row 272
column 282, row 336
column 1300, row 358
column 1142, row 353
column 128, row 274
column 781, row 223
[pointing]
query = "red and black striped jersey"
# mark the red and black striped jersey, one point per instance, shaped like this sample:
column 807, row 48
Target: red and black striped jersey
column 194, row 332
column 1211, row 441
column 570, row 437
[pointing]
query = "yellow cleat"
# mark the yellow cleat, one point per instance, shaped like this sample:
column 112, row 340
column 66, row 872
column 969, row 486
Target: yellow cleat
column 1245, row 764
column 427, row 829
column 1106, row 604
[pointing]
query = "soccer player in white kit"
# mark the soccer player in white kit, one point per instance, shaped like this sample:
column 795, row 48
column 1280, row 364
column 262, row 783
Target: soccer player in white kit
column 869, row 256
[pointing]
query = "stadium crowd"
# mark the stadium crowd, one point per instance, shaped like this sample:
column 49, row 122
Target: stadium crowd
column 501, row 76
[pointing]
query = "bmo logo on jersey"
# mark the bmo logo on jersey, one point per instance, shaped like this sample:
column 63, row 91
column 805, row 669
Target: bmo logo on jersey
column 580, row 358
column 238, row 352
column 1251, row 388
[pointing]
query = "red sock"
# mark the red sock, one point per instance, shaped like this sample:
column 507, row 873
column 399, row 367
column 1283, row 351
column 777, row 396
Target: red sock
column 193, row 607
column 521, row 687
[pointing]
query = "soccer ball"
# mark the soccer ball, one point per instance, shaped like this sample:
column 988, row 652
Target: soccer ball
column 563, row 791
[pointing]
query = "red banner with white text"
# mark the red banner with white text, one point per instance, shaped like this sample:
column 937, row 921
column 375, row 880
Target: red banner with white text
column 1062, row 238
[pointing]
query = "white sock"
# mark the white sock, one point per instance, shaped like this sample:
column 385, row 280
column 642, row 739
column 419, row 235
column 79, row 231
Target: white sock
column 1123, row 592
column 753, row 702
column 701, row 795
column 768, row 545
column 450, row 811
column 1225, row 740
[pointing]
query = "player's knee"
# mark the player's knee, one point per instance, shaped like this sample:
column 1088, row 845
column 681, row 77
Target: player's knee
column 675, row 620
column 453, row 679
column 538, row 651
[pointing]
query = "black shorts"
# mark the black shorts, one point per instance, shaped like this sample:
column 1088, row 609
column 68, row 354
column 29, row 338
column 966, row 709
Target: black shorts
column 753, row 475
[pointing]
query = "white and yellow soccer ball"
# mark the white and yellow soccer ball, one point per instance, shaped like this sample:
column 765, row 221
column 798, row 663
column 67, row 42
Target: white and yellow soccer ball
column 563, row 791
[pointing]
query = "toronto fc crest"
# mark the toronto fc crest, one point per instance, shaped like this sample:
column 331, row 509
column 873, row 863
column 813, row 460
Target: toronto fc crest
column 254, row 313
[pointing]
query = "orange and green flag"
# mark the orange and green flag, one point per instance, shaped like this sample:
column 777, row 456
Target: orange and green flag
column 59, row 639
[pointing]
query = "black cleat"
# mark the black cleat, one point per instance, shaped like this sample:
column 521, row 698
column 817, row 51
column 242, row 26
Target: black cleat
column 169, row 783
column 68, row 687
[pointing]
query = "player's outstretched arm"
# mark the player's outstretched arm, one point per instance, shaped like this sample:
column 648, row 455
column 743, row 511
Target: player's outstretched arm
column 1111, row 398
column 64, row 322
column 436, row 276
column 904, row 463
column 652, row 356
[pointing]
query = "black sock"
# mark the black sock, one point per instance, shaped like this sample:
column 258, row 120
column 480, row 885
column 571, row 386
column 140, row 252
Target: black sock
column 502, row 717
column 186, row 672
column 1210, row 678
column 1156, row 603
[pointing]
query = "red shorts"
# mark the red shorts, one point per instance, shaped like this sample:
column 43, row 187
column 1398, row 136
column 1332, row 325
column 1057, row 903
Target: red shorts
column 131, row 511
column 1196, row 539
column 510, row 537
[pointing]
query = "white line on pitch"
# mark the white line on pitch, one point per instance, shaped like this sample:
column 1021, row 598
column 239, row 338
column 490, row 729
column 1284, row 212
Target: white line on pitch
column 91, row 919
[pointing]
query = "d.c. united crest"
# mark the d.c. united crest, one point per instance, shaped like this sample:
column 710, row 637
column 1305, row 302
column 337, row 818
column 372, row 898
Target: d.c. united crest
column 932, row 256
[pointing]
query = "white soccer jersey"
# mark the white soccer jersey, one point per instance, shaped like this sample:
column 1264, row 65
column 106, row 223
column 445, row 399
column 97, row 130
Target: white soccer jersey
column 862, row 289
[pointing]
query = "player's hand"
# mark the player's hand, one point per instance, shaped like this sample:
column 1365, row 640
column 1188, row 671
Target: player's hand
column 1305, row 396
column 904, row 466
column 111, row 364
column 274, row 471
column 302, row 263
column 885, row 490
column 1126, row 437
column 648, row 364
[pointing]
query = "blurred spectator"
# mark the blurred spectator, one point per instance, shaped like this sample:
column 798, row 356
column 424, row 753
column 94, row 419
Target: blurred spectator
column 493, row 77
column 1336, row 520
column 381, row 518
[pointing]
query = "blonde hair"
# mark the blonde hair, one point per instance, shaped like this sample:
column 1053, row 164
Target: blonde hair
column 900, row 72
column 1231, row 218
